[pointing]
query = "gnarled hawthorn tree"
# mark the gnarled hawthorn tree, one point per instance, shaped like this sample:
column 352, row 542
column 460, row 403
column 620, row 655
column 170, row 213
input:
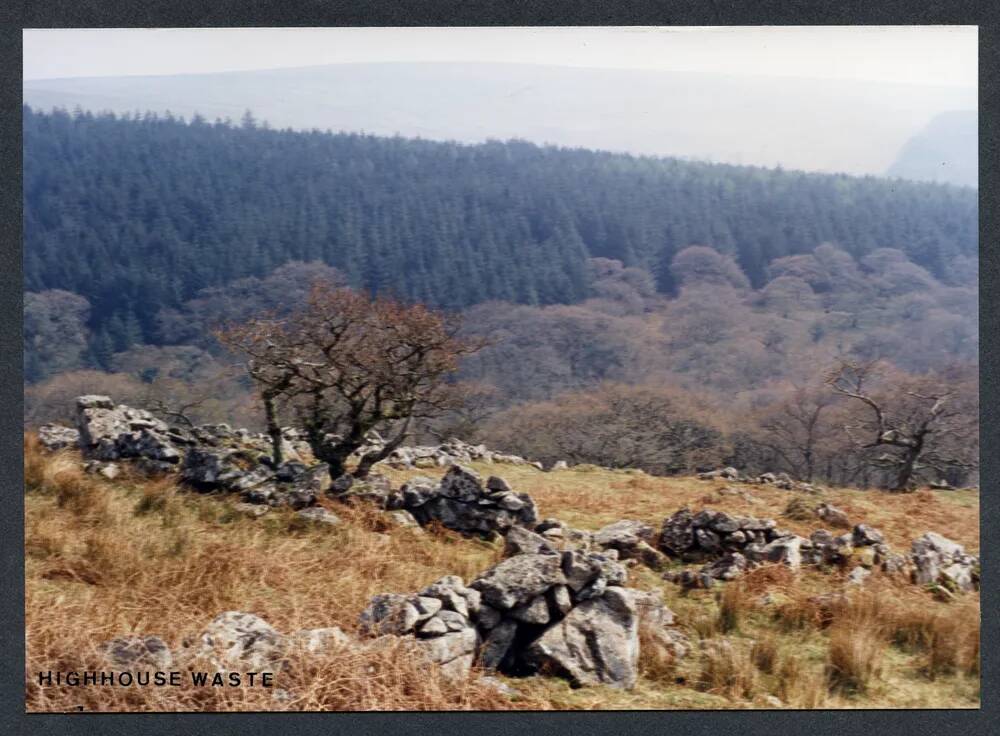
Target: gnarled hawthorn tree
column 347, row 364
column 924, row 422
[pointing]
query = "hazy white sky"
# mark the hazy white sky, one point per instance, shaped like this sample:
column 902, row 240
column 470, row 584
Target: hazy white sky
column 912, row 54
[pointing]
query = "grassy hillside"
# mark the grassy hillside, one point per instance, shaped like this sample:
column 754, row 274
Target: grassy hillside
column 107, row 558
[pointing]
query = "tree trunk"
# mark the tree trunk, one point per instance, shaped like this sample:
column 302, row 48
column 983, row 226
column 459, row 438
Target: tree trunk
column 370, row 458
column 905, row 474
column 273, row 430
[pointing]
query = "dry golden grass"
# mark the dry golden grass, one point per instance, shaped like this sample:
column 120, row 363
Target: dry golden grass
column 728, row 670
column 106, row 559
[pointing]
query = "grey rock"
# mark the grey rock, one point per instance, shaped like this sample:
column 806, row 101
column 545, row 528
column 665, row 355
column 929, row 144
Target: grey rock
column 496, row 644
column 319, row 515
column 517, row 580
column 560, row 600
column 728, row 567
column 858, row 575
column 632, row 540
column 454, row 651
column 388, row 613
column 786, row 550
column 521, row 541
column 54, row 437
column 487, row 617
column 139, row 652
column 535, row 611
column 865, row 535
column 315, row 641
column 677, row 533
column 234, row 640
column 832, row 515
column 596, row 643
column 433, row 626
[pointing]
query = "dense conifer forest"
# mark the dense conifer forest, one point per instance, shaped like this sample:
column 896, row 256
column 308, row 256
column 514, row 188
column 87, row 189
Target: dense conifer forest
column 138, row 214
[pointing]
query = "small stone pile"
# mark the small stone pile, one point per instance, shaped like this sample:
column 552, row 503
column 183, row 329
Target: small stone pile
column 462, row 501
column 938, row 560
column 440, row 619
column 566, row 613
column 733, row 545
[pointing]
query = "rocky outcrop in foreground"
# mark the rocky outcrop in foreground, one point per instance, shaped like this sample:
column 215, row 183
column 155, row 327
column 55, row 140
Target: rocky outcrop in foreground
column 566, row 613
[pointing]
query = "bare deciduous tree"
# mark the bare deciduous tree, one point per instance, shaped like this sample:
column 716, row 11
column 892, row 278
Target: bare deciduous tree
column 797, row 429
column 924, row 423
column 347, row 364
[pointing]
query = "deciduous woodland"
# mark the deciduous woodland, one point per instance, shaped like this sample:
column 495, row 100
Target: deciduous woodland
column 636, row 312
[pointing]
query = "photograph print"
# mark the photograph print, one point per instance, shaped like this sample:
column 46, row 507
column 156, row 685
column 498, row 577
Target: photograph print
column 501, row 368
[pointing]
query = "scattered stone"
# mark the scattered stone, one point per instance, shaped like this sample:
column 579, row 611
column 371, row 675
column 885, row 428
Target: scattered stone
column 723, row 473
column 254, row 510
column 501, row 687
column 54, row 437
column 319, row 515
column 833, row 516
column 728, row 567
column 321, row 640
column 139, row 652
column 240, row 641
column 858, row 575
column 938, row 560
column 865, row 535
column 632, row 541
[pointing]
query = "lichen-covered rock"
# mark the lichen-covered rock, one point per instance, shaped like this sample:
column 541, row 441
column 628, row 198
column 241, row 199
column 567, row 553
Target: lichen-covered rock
column 240, row 641
column 389, row 613
column 787, row 550
column 314, row 641
column 728, row 567
column 632, row 541
column 833, row 516
column 939, row 560
column 518, row 580
column 54, row 437
column 210, row 469
column 138, row 652
column 454, row 652
column 318, row 515
column 677, row 533
column 375, row 489
column 865, row 535
column 596, row 643
column 520, row 541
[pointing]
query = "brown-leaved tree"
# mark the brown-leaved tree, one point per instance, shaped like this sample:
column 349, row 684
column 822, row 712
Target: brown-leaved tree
column 347, row 364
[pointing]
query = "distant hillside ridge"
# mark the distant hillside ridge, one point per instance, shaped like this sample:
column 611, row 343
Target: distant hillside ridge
column 140, row 213
column 946, row 150
column 831, row 125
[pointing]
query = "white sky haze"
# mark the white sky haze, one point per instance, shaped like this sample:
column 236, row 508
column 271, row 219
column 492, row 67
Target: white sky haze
column 941, row 55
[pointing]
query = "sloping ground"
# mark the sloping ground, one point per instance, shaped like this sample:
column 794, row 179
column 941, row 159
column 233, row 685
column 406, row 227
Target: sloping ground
column 107, row 558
